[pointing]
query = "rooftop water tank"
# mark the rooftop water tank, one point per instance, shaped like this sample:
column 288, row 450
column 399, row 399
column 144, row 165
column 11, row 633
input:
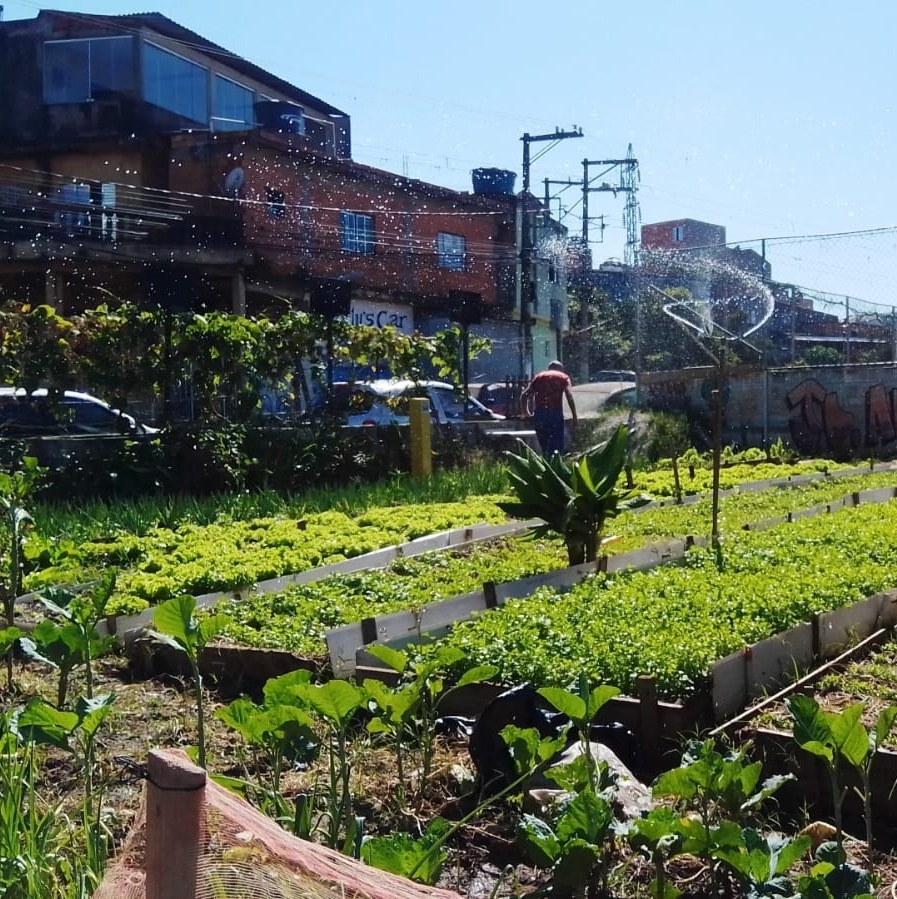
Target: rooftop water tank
column 493, row 182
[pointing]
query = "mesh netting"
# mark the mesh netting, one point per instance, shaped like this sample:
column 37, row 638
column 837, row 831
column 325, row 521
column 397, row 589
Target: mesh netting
column 242, row 854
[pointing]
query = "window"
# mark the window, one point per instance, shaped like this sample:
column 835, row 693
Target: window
column 452, row 251
column 175, row 84
column 276, row 208
column 357, row 230
column 233, row 107
column 679, row 233
column 85, row 417
column 75, row 71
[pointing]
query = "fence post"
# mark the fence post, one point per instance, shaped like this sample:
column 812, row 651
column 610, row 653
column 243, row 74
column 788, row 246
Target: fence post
column 174, row 802
column 421, row 437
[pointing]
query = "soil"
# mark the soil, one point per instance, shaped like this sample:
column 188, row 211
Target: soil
column 484, row 858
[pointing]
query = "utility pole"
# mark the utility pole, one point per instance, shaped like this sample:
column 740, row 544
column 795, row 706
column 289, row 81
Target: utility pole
column 527, row 243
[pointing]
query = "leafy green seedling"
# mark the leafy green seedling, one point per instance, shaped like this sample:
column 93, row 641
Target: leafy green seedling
column 75, row 732
column 418, row 858
column 575, row 846
column 75, row 641
column 409, row 712
column 176, row 626
column 717, row 783
column 336, row 703
column 762, row 860
column 657, row 837
column 720, row 786
column 284, row 732
column 830, row 736
column 842, row 736
column 581, row 708
column 832, row 878
column 15, row 489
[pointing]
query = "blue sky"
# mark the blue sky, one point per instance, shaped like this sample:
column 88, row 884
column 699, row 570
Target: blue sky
column 774, row 119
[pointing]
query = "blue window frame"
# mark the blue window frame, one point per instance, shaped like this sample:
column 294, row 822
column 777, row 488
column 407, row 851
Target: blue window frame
column 175, row 84
column 233, row 106
column 79, row 70
column 452, row 250
column 357, row 232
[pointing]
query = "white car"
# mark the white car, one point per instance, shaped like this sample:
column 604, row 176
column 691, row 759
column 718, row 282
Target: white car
column 385, row 402
column 26, row 415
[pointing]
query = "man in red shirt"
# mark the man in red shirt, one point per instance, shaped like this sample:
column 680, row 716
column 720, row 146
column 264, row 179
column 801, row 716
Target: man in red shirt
column 547, row 390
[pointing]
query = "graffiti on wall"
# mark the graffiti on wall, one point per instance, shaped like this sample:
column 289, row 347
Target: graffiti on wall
column 881, row 415
column 819, row 424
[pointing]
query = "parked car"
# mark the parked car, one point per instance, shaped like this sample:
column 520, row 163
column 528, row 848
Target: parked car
column 615, row 374
column 26, row 415
column 501, row 398
column 622, row 398
column 385, row 402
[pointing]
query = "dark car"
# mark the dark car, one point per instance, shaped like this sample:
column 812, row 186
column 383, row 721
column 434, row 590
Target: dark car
column 501, row 398
column 73, row 413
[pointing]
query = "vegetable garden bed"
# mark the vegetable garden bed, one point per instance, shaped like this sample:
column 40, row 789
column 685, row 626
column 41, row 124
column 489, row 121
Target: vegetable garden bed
column 672, row 694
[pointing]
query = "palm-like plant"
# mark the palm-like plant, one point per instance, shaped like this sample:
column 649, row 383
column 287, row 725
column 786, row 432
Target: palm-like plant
column 573, row 498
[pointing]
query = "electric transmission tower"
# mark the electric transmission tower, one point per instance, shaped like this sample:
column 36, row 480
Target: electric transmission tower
column 628, row 183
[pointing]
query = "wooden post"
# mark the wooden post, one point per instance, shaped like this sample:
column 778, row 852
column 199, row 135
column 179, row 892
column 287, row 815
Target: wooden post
column 421, row 437
column 174, row 804
column 648, row 718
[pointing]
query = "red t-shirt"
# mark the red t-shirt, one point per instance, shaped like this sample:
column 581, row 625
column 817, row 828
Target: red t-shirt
column 547, row 390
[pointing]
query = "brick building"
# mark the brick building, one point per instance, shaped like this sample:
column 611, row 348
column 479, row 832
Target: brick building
column 139, row 159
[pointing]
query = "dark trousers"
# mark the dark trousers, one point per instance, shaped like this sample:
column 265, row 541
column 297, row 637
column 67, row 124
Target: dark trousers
column 549, row 427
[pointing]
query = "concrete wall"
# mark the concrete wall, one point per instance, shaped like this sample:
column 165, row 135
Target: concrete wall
column 839, row 411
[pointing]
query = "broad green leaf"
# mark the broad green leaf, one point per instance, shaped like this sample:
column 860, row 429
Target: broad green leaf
column 528, row 748
column 40, row 722
column 587, row 817
column 573, row 776
column 400, row 853
column 675, row 783
column 538, row 841
column 93, row 712
column 566, row 702
column 286, row 689
column 8, row 636
column 661, row 822
column 211, row 626
column 598, row 697
column 245, row 717
column 336, row 701
column 883, row 726
column 477, row 675
column 848, row 733
column 574, row 868
column 814, row 747
column 810, row 724
column 792, row 852
column 395, row 659
column 174, row 619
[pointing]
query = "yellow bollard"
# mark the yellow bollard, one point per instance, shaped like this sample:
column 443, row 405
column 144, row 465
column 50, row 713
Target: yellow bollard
column 421, row 437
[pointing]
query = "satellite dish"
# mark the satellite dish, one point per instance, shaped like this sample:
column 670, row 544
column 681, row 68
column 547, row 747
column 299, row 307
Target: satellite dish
column 234, row 181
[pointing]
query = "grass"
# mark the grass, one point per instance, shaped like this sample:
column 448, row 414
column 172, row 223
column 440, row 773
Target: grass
column 101, row 519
